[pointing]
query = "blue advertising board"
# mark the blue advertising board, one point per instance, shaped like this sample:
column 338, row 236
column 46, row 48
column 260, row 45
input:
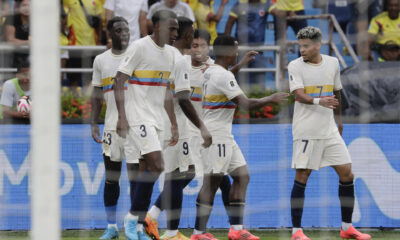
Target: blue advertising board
column 374, row 148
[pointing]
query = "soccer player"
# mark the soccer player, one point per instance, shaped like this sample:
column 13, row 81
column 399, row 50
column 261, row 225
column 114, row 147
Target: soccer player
column 200, row 61
column 104, row 69
column 221, row 95
column 314, row 79
column 179, row 169
column 147, row 66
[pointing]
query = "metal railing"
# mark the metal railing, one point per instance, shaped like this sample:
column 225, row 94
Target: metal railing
column 280, row 51
column 94, row 50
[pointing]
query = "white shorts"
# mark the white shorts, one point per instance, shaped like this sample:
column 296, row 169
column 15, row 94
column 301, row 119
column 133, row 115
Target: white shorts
column 177, row 156
column 114, row 147
column 195, row 145
column 143, row 139
column 318, row 153
column 223, row 156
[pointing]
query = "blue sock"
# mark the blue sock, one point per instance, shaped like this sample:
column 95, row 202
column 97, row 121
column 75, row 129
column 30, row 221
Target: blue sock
column 203, row 211
column 111, row 213
column 111, row 194
column 236, row 209
column 143, row 190
column 297, row 203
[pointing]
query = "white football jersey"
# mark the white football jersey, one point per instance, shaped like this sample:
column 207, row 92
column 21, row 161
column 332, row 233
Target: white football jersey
column 150, row 68
column 318, row 81
column 105, row 67
column 196, row 77
column 179, row 82
column 219, row 88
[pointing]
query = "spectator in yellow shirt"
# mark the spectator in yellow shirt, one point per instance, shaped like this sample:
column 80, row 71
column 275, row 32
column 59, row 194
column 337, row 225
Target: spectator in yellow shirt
column 385, row 27
column 85, row 27
column 285, row 8
column 206, row 19
column 83, row 32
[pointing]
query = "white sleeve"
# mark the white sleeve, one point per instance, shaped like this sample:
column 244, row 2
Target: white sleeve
column 96, row 77
column 181, row 75
column 337, row 83
column 151, row 11
column 295, row 79
column 190, row 13
column 144, row 7
column 228, row 85
column 7, row 94
column 110, row 5
column 131, row 60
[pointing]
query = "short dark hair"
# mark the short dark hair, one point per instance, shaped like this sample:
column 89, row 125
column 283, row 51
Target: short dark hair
column 223, row 45
column 21, row 63
column 309, row 32
column 162, row 15
column 200, row 33
column 184, row 23
column 113, row 20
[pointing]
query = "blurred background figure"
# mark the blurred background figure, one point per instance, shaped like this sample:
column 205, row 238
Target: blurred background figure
column 384, row 29
column 14, row 89
column 251, row 19
column 181, row 9
column 133, row 11
column 206, row 19
column 16, row 29
column 287, row 8
column 85, row 26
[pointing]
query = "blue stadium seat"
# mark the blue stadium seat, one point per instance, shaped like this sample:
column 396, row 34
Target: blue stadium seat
column 351, row 33
column 342, row 11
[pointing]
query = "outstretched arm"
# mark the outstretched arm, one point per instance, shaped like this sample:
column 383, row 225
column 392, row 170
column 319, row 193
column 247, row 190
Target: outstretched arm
column 191, row 114
column 250, row 56
column 250, row 103
column 96, row 102
column 122, row 124
column 217, row 17
column 229, row 25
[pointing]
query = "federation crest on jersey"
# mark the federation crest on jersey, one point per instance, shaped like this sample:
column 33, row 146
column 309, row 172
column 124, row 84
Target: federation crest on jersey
column 186, row 76
column 232, row 83
column 291, row 78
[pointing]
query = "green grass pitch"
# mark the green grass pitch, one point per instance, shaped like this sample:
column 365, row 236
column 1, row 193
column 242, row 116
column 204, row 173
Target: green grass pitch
column 314, row 234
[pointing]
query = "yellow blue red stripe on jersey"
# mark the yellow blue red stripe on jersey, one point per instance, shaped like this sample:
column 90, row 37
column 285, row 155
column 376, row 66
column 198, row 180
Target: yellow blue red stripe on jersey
column 319, row 91
column 108, row 84
column 217, row 101
column 196, row 94
column 150, row 78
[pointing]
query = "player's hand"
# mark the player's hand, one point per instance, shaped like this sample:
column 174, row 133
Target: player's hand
column 278, row 97
column 205, row 134
column 122, row 127
column 224, row 2
column 340, row 128
column 96, row 133
column 24, row 114
column 175, row 136
column 249, row 57
column 329, row 102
